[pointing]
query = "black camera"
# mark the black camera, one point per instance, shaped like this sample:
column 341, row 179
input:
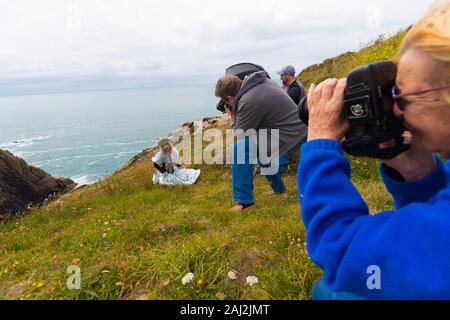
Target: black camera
column 241, row 71
column 221, row 106
column 368, row 106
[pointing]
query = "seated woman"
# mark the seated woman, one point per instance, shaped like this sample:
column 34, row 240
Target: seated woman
column 169, row 169
column 396, row 254
column 167, row 158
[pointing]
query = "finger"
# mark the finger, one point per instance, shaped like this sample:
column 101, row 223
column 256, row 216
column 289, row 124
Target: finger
column 387, row 144
column 322, row 84
column 407, row 137
column 317, row 93
column 328, row 88
column 318, row 90
column 311, row 100
column 339, row 92
column 311, row 89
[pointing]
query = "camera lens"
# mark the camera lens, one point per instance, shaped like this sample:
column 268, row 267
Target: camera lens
column 303, row 111
column 221, row 106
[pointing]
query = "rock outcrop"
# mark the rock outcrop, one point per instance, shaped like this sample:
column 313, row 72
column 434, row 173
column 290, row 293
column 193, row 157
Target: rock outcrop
column 22, row 185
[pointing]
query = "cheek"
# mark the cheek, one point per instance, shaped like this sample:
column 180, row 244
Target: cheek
column 416, row 121
column 429, row 130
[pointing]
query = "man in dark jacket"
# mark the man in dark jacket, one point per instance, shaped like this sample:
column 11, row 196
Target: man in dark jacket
column 291, row 84
column 294, row 88
column 257, row 103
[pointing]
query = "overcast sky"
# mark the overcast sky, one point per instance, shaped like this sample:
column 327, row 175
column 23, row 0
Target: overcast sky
column 69, row 45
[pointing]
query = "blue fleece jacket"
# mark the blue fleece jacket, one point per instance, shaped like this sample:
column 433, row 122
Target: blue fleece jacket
column 410, row 245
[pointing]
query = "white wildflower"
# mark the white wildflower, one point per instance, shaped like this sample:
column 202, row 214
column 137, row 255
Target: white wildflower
column 232, row 275
column 188, row 278
column 105, row 235
column 252, row 280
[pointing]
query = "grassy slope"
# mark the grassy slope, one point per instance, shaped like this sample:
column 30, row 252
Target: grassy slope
column 340, row 66
column 155, row 235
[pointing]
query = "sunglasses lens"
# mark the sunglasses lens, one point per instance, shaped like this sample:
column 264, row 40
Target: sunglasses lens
column 399, row 101
column 395, row 92
column 401, row 104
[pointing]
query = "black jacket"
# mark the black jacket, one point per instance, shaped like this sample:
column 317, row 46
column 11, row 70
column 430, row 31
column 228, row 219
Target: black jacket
column 296, row 91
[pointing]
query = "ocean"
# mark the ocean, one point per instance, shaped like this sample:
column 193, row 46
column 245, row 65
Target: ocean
column 87, row 135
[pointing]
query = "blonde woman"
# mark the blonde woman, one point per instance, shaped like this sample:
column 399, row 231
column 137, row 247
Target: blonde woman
column 170, row 171
column 397, row 254
column 167, row 158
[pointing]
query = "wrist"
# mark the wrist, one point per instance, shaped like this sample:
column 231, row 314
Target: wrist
column 324, row 136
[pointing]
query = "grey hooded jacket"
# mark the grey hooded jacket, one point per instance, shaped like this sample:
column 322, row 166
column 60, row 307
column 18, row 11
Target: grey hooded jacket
column 262, row 104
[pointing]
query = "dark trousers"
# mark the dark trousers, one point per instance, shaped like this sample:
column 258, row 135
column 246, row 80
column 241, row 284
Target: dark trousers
column 164, row 168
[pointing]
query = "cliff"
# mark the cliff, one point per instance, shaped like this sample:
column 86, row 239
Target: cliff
column 22, row 186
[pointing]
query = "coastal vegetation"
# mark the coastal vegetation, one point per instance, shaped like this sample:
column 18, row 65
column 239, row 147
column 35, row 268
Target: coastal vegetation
column 131, row 239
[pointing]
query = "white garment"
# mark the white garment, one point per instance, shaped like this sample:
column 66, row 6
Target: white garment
column 165, row 159
column 179, row 176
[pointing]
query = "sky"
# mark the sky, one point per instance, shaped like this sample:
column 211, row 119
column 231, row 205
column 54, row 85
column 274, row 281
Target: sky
column 74, row 45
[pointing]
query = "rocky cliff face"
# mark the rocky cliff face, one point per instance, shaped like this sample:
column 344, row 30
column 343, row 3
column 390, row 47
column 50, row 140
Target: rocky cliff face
column 22, row 185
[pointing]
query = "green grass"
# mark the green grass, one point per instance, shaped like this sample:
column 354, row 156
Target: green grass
column 155, row 235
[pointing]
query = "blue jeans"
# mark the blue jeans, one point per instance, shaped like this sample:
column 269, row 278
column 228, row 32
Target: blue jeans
column 242, row 174
column 322, row 292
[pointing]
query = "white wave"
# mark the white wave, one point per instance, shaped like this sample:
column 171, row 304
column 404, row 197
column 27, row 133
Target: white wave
column 93, row 162
column 31, row 153
column 88, row 179
column 84, row 156
column 123, row 154
column 125, row 143
column 20, row 143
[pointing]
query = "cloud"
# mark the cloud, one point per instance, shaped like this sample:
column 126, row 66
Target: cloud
column 109, row 40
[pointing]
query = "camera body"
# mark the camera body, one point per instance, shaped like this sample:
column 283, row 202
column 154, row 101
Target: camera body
column 368, row 106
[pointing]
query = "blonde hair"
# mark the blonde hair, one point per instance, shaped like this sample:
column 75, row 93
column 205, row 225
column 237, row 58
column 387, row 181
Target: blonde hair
column 431, row 35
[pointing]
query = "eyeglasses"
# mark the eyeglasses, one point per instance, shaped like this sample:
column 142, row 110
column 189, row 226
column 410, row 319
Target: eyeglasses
column 402, row 103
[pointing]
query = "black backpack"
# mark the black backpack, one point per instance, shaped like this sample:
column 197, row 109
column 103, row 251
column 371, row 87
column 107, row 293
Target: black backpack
column 241, row 70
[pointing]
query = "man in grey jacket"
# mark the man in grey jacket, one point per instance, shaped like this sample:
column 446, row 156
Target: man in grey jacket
column 258, row 105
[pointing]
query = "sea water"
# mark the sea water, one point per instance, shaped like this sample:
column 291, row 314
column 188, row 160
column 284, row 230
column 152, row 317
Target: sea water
column 88, row 135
